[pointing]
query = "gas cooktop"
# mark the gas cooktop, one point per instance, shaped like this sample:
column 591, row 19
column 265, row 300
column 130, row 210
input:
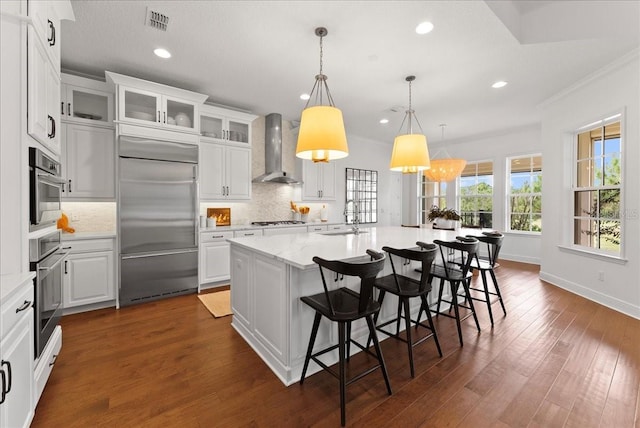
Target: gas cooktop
column 276, row 223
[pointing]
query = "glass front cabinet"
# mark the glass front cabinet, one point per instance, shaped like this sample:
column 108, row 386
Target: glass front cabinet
column 225, row 125
column 86, row 101
column 147, row 103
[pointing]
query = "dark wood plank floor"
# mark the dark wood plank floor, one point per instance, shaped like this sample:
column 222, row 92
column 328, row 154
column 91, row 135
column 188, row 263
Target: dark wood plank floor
column 555, row 360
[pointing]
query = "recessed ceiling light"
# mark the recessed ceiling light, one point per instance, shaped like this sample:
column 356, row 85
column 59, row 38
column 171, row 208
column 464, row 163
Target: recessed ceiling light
column 424, row 27
column 305, row 97
column 384, row 121
column 499, row 84
column 162, row 53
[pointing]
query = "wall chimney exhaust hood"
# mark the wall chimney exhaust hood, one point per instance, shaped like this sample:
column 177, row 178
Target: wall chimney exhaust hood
column 273, row 152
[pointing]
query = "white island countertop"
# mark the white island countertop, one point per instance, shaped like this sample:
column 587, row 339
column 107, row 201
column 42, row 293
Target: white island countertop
column 299, row 249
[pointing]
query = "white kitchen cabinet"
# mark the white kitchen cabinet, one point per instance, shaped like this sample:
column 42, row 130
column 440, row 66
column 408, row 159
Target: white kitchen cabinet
column 221, row 124
column 88, row 272
column 16, row 358
column 147, row 103
column 319, row 181
column 284, row 230
column 225, row 172
column 88, row 162
column 43, row 117
column 214, row 256
column 250, row 232
column 86, row 101
column 46, row 363
column 45, row 16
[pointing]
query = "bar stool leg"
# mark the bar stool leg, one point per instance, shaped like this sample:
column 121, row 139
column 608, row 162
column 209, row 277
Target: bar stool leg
column 407, row 321
column 314, row 332
column 433, row 327
column 465, row 285
column 348, row 341
column 343, row 372
column 376, row 344
column 486, row 294
column 454, row 302
column 495, row 284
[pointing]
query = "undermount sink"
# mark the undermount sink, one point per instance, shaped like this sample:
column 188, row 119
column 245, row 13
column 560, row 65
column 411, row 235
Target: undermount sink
column 344, row 232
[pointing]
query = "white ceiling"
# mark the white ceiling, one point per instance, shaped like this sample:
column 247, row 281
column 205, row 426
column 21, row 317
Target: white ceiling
column 261, row 55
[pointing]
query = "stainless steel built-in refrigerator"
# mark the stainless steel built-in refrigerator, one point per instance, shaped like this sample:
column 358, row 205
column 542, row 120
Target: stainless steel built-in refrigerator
column 157, row 211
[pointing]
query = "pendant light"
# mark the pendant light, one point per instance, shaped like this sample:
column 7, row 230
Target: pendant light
column 444, row 169
column 322, row 136
column 410, row 152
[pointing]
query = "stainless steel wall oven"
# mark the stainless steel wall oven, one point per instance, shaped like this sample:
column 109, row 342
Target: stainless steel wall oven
column 45, row 189
column 48, row 260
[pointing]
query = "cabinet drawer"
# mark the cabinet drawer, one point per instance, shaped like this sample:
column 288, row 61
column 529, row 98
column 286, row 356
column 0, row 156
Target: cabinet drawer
column 214, row 236
column 319, row 228
column 337, row 226
column 241, row 233
column 15, row 308
column 89, row 245
column 46, row 362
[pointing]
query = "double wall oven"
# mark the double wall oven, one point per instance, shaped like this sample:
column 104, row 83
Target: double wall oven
column 47, row 258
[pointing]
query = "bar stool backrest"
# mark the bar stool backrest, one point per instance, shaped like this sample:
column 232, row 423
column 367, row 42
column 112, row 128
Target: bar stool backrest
column 468, row 249
column 367, row 271
column 425, row 254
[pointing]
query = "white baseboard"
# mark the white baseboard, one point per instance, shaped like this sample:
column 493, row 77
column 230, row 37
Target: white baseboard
column 595, row 296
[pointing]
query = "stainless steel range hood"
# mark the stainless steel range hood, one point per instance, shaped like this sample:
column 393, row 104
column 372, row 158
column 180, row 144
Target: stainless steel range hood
column 273, row 152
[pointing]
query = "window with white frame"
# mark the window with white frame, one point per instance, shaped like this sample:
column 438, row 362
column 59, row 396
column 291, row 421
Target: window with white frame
column 431, row 193
column 597, row 186
column 476, row 195
column 524, row 198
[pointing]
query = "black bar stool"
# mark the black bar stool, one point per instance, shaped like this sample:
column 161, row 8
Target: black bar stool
column 344, row 306
column 406, row 288
column 494, row 243
column 455, row 268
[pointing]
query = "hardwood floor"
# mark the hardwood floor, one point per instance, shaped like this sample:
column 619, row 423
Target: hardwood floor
column 555, row 360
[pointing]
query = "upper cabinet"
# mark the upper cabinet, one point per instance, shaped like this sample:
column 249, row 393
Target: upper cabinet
column 319, row 181
column 225, row 125
column 145, row 103
column 86, row 101
column 43, row 70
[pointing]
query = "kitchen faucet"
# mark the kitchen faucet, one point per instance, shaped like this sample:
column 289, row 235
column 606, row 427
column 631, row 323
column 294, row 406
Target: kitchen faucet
column 356, row 215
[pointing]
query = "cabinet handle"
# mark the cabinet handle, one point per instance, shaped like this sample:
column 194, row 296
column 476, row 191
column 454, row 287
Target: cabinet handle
column 217, row 236
column 9, row 375
column 249, row 234
column 68, row 109
column 3, row 393
column 164, row 117
column 52, row 122
column 55, row 357
column 63, row 184
column 69, row 186
column 52, row 39
column 158, row 116
column 26, row 305
column 61, row 107
column 66, row 267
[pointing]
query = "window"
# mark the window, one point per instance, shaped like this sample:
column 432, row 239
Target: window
column 524, row 200
column 431, row 193
column 476, row 195
column 597, row 186
column 361, row 191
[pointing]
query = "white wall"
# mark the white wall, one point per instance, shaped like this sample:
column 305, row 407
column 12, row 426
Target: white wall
column 608, row 91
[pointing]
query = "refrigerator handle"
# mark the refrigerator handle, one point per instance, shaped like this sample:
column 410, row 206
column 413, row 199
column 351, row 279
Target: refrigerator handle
column 196, row 203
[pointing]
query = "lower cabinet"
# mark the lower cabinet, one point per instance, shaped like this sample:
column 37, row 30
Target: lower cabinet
column 16, row 358
column 89, row 273
column 214, row 257
column 46, row 363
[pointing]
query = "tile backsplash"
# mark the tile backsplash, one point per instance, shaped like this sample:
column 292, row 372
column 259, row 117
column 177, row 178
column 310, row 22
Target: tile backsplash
column 91, row 216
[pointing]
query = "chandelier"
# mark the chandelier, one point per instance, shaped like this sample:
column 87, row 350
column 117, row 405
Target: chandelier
column 322, row 136
column 410, row 152
column 444, row 169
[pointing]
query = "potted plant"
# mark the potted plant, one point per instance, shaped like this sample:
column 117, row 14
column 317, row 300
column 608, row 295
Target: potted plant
column 443, row 218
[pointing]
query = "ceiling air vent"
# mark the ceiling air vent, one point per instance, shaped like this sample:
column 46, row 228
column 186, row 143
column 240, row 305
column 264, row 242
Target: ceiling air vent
column 157, row 20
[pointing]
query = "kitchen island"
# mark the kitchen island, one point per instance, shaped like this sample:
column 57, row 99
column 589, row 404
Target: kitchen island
column 269, row 274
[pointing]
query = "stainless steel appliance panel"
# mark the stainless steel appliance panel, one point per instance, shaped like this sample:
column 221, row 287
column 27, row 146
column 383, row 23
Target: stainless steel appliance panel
column 142, row 148
column 152, row 277
column 157, row 206
column 45, row 190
